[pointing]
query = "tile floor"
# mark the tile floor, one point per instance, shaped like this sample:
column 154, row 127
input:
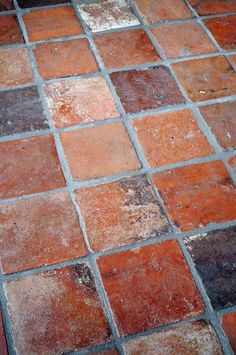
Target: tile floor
column 117, row 177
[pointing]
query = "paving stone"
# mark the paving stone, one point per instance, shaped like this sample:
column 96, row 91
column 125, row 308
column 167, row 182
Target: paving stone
column 223, row 29
column 198, row 194
column 21, row 111
column 146, row 89
column 78, row 101
column 214, row 255
column 198, row 338
column 107, row 15
column 39, row 231
column 15, row 68
column 135, row 46
column 232, row 163
column 149, row 286
column 87, row 147
column 121, row 212
column 61, row 312
column 33, row 3
column 52, row 23
column 10, row 30
column 3, row 345
column 29, row 165
column 6, row 5
column 209, row 7
column 221, row 118
column 182, row 39
column 206, row 78
column 163, row 136
column 229, row 326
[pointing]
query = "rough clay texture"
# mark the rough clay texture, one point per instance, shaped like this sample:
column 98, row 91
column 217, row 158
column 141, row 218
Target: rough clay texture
column 10, row 31
column 210, row 7
column 223, row 29
column 229, row 325
column 232, row 163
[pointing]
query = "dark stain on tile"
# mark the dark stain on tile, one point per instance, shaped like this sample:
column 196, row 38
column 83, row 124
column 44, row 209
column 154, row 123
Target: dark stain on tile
column 83, row 276
column 6, row 5
column 33, row 3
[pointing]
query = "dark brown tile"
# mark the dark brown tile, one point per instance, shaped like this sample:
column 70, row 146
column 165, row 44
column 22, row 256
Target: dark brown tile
column 33, row 3
column 6, row 5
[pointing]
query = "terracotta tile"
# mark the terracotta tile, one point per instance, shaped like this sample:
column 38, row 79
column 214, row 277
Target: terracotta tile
column 61, row 312
column 135, row 46
column 154, row 11
column 3, row 345
column 21, row 111
column 10, row 30
column 6, row 5
column 233, row 58
column 121, row 212
column 232, row 163
column 15, row 68
column 198, row 194
column 33, row 3
column 209, row 7
column 145, row 89
column 214, row 255
column 221, row 118
column 29, row 165
column 107, row 15
column 163, row 136
column 223, row 29
column 107, row 352
column 65, row 58
column 52, row 23
column 149, row 286
column 39, row 231
column 229, row 326
column 182, row 39
column 86, row 148
column 196, row 338
column 78, row 101
column 206, row 78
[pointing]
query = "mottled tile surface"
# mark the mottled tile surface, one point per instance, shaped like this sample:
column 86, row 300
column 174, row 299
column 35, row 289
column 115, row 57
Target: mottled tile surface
column 232, row 163
column 223, row 29
column 121, row 212
column 6, row 5
column 10, row 30
column 21, row 111
column 33, row 3
column 145, row 89
column 149, row 286
column 214, row 254
column 229, row 325
column 61, row 312
column 3, row 345
column 209, row 7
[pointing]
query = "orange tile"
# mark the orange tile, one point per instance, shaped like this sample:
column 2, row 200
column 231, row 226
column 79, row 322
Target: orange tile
column 229, row 325
column 10, row 30
column 3, row 345
column 233, row 58
column 223, row 29
column 210, row 7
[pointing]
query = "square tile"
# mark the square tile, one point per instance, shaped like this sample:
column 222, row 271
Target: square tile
column 229, row 325
column 21, row 111
column 64, row 58
column 198, row 194
column 171, row 137
column 52, row 22
column 15, row 67
column 182, row 39
column 214, row 255
column 146, row 89
column 72, row 102
column 107, row 15
column 6, row 5
column 209, row 7
column 10, row 30
column 149, row 286
column 39, row 231
column 62, row 311
column 206, row 78
column 3, row 345
column 121, row 212
column 98, row 151
column 135, row 46
column 223, row 29
column 197, row 338
column 232, row 163
column 33, row 3
column 221, row 118
column 162, row 10
column 29, row 165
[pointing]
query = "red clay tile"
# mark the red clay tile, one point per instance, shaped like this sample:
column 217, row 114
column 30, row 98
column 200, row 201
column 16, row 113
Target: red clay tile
column 52, row 23
column 3, row 345
column 198, row 194
column 121, row 212
column 209, row 7
column 192, row 338
column 6, row 5
column 107, row 352
column 29, row 165
column 149, row 286
column 15, row 68
column 233, row 58
column 93, row 152
column 223, row 29
column 65, row 58
column 61, row 312
column 182, row 39
column 10, row 30
column 206, row 78
column 161, row 10
column 135, row 46
column 81, row 100
column 232, row 163
column 146, row 89
column 221, row 118
column 229, row 325
column 163, row 136
column 39, row 231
